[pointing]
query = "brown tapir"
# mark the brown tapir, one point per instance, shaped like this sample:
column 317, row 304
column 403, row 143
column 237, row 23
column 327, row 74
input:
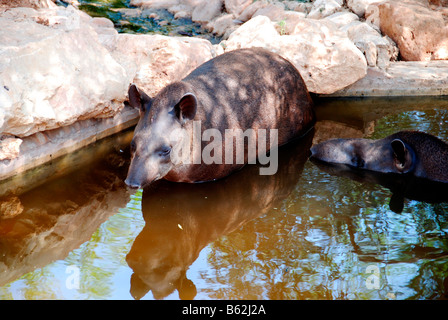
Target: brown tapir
column 239, row 90
column 409, row 152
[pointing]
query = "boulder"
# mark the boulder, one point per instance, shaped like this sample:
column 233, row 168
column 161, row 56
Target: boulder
column 342, row 18
column 324, row 8
column 236, row 7
column 420, row 33
column 223, row 25
column 378, row 50
column 9, row 147
column 274, row 11
column 326, row 58
column 54, row 71
column 250, row 10
column 207, row 11
column 153, row 61
column 359, row 6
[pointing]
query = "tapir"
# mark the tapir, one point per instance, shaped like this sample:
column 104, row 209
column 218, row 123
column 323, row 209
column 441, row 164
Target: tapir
column 242, row 89
column 413, row 153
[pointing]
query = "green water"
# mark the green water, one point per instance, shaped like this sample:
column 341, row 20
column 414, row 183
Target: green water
column 303, row 233
column 143, row 21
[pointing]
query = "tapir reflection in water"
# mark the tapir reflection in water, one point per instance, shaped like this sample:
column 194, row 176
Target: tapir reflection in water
column 413, row 153
column 181, row 219
column 242, row 89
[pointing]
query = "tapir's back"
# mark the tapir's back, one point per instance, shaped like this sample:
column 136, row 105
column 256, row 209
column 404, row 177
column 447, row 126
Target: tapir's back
column 252, row 88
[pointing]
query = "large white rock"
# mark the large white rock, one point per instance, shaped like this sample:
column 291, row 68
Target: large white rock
column 326, row 58
column 153, row 61
column 54, row 71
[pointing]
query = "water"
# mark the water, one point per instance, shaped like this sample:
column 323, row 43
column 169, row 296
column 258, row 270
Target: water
column 304, row 233
column 128, row 19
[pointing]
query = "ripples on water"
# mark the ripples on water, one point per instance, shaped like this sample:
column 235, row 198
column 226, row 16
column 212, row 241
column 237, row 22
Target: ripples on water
column 304, row 233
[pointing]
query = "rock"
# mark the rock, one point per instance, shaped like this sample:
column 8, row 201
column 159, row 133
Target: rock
column 304, row 7
column 324, row 8
column 250, row 10
column 257, row 32
column 35, row 4
column 359, row 6
column 289, row 20
column 9, row 147
column 326, row 58
column 236, row 7
column 128, row 12
column 207, row 11
column 275, row 12
column 155, row 4
column 43, row 147
column 342, row 18
column 223, row 25
column 420, row 33
column 153, row 61
column 379, row 50
column 54, row 71
column 443, row 3
column 181, row 11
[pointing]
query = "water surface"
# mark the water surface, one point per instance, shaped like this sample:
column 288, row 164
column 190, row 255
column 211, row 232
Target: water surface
column 305, row 233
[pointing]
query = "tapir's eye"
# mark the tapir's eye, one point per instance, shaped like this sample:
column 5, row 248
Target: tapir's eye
column 164, row 151
column 358, row 162
column 133, row 147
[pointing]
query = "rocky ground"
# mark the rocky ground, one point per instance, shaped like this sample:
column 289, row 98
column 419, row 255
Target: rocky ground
column 62, row 69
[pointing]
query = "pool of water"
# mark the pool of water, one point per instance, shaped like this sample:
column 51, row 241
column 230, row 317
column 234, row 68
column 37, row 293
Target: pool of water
column 303, row 233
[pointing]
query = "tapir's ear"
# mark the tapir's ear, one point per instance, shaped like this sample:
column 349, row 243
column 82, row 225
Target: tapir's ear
column 186, row 108
column 138, row 99
column 403, row 156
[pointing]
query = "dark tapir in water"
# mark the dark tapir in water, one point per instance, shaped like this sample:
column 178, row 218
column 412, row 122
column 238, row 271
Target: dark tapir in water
column 406, row 152
column 242, row 89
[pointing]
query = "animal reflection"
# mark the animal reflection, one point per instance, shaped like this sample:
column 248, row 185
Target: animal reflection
column 181, row 219
column 402, row 186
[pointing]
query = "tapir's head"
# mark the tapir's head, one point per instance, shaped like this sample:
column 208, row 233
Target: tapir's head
column 388, row 155
column 159, row 131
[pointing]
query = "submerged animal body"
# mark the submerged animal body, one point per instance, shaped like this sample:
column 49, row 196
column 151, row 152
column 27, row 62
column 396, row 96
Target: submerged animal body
column 244, row 89
column 406, row 152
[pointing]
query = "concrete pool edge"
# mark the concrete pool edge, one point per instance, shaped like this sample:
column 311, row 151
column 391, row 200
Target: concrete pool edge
column 401, row 78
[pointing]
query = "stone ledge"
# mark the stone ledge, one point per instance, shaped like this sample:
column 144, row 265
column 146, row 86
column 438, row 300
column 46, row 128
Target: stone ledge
column 403, row 78
column 46, row 146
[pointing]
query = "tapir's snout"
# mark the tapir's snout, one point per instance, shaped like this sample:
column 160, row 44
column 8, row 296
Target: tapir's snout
column 333, row 151
column 141, row 173
column 132, row 183
column 136, row 177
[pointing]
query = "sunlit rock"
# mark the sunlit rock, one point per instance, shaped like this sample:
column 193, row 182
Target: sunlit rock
column 153, row 61
column 54, row 71
column 420, row 32
column 326, row 58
